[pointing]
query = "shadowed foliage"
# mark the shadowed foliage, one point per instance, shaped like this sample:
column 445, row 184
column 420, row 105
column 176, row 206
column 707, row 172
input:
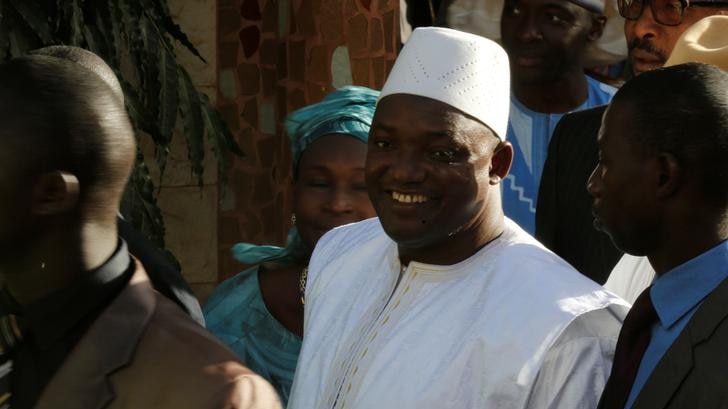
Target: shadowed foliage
column 136, row 38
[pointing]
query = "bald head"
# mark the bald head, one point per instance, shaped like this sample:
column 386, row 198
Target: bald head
column 58, row 115
column 87, row 60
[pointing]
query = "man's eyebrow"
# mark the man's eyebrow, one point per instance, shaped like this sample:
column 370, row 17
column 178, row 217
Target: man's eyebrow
column 384, row 126
column 553, row 5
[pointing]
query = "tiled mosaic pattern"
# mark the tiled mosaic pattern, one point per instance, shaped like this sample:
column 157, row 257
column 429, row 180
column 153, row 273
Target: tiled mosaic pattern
column 275, row 56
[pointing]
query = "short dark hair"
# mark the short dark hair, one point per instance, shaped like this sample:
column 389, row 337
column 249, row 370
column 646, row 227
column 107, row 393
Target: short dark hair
column 86, row 59
column 683, row 110
column 57, row 115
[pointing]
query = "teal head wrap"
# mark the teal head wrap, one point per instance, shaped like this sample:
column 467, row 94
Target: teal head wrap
column 349, row 111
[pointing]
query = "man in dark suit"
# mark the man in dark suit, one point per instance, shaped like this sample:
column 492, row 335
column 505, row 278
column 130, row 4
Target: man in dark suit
column 79, row 320
column 661, row 191
column 563, row 214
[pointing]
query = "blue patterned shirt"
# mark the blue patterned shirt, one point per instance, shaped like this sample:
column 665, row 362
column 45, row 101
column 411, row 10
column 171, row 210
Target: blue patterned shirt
column 530, row 133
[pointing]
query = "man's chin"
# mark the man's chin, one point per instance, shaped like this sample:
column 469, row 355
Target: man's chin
column 642, row 67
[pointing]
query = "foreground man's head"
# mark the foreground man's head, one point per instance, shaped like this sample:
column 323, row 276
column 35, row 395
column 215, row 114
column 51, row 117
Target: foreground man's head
column 436, row 149
column 66, row 150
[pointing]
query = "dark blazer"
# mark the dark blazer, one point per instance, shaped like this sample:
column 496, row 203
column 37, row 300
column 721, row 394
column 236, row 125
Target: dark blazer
column 564, row 221
column 693, row 373
column 165, row 277
column 143, row 352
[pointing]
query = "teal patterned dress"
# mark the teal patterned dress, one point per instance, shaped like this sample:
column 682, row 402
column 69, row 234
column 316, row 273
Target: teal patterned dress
column 236, row 313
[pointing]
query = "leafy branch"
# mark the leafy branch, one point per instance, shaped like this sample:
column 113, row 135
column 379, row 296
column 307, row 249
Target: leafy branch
column 136, row 38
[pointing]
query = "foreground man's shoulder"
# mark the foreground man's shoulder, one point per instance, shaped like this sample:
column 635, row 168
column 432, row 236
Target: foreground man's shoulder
column 248, row 391
column 177, row 363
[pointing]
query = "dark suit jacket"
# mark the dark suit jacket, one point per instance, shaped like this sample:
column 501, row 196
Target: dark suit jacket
column 165, row 277
column 564, row 221
column 693, row 373
column 143, row 352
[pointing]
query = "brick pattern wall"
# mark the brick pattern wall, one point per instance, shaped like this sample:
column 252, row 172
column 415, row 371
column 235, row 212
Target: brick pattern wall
column 274, row 56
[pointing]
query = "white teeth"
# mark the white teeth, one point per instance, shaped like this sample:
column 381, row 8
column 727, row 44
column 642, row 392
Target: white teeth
column 405, row 198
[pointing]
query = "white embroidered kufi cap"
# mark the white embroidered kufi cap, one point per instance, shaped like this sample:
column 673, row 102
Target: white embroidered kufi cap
column 463, row 70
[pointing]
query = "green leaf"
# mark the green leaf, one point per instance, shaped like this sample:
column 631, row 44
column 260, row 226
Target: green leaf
column 176, row 32
column 95, row 40
column 21, row 40
column 103, row 40
column 219, row 128
column 4, row 32
column 35, row 18
column 76, row 21
column 139, row 116
column 146, row 214
column 140, row 35
column 159, row 12
column 130, row 14
column 150, row 65
column 219, row 134
column 109, row 23
column 169, row 93
column 194, row 127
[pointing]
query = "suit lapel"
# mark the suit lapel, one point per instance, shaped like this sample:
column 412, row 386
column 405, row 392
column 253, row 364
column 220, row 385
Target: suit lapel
column 677, row 362
column 83, row 381
column 668, row 375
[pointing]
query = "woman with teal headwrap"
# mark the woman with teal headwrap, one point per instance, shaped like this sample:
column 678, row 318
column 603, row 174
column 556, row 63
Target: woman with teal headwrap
column 259, row 312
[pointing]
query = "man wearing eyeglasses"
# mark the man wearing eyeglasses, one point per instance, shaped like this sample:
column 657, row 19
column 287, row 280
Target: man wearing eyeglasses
column 564, row 221
column 653, row 27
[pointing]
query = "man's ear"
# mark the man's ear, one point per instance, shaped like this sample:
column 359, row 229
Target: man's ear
column 55, row 192
column 669, row 175
column 501, row 162
column 597, row 28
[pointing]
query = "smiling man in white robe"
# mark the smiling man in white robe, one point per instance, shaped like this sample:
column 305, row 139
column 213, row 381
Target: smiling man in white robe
column 441, row 301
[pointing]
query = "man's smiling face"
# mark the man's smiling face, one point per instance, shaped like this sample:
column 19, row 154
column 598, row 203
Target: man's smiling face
column 427, row 170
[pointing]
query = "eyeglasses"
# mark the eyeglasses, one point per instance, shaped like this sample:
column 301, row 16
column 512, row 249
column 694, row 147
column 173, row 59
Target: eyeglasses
column 665, row 12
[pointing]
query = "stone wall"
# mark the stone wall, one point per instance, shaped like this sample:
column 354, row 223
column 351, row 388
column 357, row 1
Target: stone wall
column 274, row 56
column 191, row 213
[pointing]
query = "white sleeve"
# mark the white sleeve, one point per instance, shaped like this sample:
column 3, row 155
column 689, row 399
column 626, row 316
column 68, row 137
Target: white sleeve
column 630, row 277
column 576, row 367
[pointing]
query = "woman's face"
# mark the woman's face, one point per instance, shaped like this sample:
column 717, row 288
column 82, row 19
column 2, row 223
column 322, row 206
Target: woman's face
column 330, row 189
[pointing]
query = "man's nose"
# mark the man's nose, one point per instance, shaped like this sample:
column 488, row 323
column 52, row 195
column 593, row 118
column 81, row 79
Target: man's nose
column 645, row 26
column 408, row 168
column 528, row 29
column 592, row 184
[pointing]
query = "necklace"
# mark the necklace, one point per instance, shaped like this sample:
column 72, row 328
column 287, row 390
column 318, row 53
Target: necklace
column 302, row 284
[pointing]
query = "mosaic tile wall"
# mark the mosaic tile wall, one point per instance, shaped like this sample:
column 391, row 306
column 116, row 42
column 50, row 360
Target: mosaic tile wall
column 273, row 57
